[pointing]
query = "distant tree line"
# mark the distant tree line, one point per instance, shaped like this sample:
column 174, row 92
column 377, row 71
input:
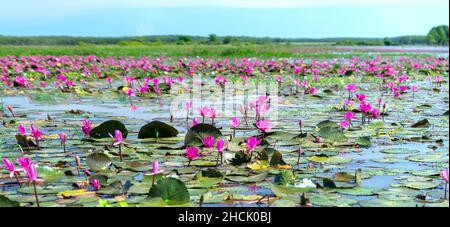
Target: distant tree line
column 437, row 36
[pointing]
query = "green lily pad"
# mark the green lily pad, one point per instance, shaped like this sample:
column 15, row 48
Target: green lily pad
column 332, row 134
column 196, row 133
column 277, row 159
column 427, row 158
column 399, row 151
column 421, row 185
column 107, row 128
column 357, row 191
column 172, row 191
column 6, row 202
column 98, row 161
column 364, row 141
column 157, row 129
column 421, row 124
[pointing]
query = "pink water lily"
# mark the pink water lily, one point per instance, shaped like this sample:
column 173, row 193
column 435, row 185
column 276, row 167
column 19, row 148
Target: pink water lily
column 37, row 134
column 317, row 139
column 86, row 127
column 156, row 169
column 118, row 137
column 235, row 122
column 361, row 97
column 24, row 162
column 192, row 154
column 252, row 143
column 195, row 122
column 350, row 87
column 63, row 139
column 444, row 175
column 264, row 125
column 349, row 116
column 118, row 140
column 12, row 169
column 96, row 184
column 208, row 141
column 220, row 81
column 22, row 130
column 33, row 179
column 220, row 149
column 344, row 124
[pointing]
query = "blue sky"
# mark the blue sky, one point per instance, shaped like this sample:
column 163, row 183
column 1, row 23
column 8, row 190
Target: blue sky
column 274, row 18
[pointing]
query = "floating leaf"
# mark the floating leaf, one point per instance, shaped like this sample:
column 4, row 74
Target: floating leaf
column 277, row 159
column 157, row 129
column 399, row 151
column 332, row 134
column 421, row 124
column 196, row 133
column 172, row 191
column 108, row 128
column 364, row 141
column 98, row 161
column 6, row 202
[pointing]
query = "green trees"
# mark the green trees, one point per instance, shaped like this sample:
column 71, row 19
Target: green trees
column 438, row 35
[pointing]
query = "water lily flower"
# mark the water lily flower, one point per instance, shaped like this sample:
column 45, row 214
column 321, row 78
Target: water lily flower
column 195, row 122
column 192, row 154
column 305, row 183
column 344, row 124
column 220, row 148
column 252, row 143
column 211, row 114
column 234, row 124
column 264, row 125
column 87, row 172
column 365, row 108
column 96, row 184
column 24, row 162
column 208, row 141
column 444, row 175
column 317, row 139
column 361, row 97
column 37, row 135
column 375, row 113
column 22, row 130
column 86, row 127
column 221, row 81
column 63, row 139
column 300, row 125
column 203, row 111
column 350, row 87
column 155, row 170
column 118, row 140
column 12, row 169
column 33, row 178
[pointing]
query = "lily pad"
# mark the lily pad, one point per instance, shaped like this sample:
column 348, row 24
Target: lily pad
column 6, row 202
column 399, row 151
column 196, row 133
column 157, row 129
column 172, row 191
column 108, row 128
column 421, row 124
column 98, row 161
column 332, row 134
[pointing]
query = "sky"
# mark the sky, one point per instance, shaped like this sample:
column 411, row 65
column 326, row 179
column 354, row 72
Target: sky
column 259, row 18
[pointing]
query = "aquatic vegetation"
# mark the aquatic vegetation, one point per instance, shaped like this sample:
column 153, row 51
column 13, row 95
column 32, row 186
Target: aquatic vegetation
column 347, row 131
